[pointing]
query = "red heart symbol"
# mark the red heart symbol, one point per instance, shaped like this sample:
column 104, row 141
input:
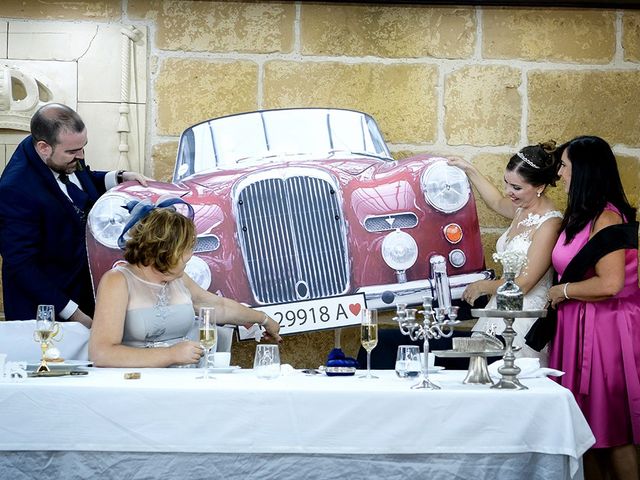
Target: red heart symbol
column 355, row 308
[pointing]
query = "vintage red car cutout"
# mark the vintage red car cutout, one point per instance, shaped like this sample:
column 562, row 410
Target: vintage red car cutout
column 296, row 205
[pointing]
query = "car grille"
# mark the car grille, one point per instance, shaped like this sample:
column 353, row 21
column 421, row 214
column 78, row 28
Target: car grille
column 391, row 222
column 292, row 234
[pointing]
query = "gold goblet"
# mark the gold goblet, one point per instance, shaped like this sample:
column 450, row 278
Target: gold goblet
column 46, row 329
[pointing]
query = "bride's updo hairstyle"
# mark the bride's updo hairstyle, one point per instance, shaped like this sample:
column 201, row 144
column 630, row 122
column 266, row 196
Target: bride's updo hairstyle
column 536, row 164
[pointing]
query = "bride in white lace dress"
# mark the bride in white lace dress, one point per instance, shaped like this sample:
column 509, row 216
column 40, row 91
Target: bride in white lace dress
column 533, row 231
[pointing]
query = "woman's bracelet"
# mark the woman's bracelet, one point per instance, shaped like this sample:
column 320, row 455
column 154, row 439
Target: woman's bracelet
column 564, row 290
column 265, row 319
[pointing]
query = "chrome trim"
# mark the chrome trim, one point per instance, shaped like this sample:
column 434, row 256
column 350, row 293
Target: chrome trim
column 464, row 258
column 393, row 221
column 412, row 292
column 440, row 280
column 206, row 243
column 432, row 189
column 284, row 241
column 402, row 276
column 302, row 283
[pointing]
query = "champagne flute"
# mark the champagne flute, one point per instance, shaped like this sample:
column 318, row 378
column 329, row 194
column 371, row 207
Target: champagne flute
column 46, row 329
column 369, row 336
column 208, row 337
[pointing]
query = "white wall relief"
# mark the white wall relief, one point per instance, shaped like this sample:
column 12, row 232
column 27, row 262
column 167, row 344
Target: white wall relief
column 81, row 65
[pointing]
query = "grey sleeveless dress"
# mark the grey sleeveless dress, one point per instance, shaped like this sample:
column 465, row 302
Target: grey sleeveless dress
column 157, row 314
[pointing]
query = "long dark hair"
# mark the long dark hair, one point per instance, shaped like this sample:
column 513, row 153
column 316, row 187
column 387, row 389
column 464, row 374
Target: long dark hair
column 595, row 181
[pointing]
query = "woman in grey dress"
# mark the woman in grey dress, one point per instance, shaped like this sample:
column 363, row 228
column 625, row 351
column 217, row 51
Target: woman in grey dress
column 149, row 299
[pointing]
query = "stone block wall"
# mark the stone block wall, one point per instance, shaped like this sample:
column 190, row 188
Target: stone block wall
column 476, row 82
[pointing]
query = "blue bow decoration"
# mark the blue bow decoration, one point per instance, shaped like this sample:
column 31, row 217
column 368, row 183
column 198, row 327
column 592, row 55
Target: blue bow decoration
column 140, row 209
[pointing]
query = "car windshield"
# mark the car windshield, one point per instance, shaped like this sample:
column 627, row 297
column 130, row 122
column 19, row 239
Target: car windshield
column 247, row 138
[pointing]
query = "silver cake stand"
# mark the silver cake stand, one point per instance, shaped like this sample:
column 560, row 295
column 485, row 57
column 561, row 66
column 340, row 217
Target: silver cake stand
column 478, row 372
column 509, row 371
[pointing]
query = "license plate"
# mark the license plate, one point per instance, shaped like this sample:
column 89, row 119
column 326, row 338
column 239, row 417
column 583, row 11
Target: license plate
column 312, row 315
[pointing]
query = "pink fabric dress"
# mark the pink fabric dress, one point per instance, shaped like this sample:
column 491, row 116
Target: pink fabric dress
column 597, row 345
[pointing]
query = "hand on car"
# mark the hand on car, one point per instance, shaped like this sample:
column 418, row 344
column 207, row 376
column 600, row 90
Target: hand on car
column 460, row 163
column 473, row 291
column 137, row 177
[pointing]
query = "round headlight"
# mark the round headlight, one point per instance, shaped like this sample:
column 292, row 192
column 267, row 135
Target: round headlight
column 108, row 217
column 199, row 271
column 399, row 250
column 445, row 188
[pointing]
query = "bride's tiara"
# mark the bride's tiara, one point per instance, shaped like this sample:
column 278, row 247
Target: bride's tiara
column 526, row 160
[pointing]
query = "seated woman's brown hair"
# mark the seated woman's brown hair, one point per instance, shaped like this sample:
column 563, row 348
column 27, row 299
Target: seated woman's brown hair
column 160, row 239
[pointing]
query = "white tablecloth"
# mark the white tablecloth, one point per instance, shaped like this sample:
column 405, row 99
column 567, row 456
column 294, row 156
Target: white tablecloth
column 16, row 340
column 168, row 410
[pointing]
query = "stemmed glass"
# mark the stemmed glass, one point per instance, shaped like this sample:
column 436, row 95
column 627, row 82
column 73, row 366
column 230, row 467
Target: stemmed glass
column 369, row 336
column 46, row 329
column 208, row 337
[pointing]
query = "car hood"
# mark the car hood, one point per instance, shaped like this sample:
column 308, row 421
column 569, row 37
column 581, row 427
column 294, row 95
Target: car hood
column 343, row 168
column 154, row 190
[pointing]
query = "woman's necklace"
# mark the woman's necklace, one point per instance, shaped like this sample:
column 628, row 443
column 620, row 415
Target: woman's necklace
column 162, row 296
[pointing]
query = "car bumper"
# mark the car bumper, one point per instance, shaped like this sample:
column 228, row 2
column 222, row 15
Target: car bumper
column 383, row 297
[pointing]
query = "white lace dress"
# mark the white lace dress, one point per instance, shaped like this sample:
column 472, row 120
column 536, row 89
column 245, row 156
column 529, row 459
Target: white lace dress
column 536, row 298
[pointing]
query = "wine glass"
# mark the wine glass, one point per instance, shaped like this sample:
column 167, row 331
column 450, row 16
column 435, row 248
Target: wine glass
column 208, row 337
column 369, row 336
column 46, row 329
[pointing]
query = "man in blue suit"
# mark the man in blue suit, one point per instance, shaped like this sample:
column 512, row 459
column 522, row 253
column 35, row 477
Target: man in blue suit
column 46, row 191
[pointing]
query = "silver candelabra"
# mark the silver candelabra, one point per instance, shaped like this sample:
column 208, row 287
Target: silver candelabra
column 438, row 322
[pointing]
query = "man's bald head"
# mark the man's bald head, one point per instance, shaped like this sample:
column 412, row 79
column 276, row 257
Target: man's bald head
column 51, row 119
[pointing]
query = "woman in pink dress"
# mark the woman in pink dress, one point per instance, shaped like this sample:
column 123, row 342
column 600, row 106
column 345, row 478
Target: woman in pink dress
column 597, row 340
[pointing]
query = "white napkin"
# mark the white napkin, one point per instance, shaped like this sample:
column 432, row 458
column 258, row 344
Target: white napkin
column 254, row 331
column 530, row 368
column 286, row 370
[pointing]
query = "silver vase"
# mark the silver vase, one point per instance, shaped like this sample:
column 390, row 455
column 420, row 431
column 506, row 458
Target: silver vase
column 509, row 296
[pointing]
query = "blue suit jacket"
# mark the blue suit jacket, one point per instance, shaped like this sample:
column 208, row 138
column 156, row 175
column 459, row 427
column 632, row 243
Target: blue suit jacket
column 42, row 238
